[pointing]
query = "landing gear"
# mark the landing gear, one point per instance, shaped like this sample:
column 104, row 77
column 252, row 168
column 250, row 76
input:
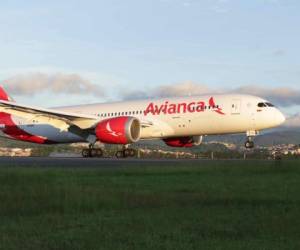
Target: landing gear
column 85, row 153
column 126, row 152
column 249, row 143
column 92, row 152
column 250, row 135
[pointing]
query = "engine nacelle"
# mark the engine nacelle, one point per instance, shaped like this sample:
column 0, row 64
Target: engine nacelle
column 119, row 130
column 184, row 141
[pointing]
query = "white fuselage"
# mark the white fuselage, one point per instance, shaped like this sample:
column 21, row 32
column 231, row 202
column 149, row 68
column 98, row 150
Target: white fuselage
column 173, row 117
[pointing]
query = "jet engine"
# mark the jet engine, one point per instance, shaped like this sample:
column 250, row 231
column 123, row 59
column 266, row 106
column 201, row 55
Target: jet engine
column 184, row 141
column 119, row 130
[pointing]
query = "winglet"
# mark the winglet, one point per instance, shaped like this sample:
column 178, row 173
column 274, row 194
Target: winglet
column 4, row 96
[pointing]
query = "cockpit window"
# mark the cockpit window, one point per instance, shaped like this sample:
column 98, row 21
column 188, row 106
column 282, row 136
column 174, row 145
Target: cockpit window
column 265, row 104
column 261, row 105
column 270, row 104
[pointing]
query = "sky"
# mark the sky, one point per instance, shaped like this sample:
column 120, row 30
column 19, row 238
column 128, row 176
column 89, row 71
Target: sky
column 57, row 53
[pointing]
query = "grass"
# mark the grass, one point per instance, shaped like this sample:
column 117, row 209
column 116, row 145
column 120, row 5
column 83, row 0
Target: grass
column 205, row 205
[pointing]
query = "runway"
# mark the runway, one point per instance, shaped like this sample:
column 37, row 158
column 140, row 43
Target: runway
column 79, row 162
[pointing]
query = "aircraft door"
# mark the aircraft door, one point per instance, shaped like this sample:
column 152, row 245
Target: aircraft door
column 253, row 123
column 235, row 106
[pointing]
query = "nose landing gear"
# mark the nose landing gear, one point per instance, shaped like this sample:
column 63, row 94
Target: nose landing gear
column 249, row 143
column 250, row 135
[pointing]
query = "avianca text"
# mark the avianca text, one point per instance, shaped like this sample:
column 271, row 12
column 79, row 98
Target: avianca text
column 177, row 108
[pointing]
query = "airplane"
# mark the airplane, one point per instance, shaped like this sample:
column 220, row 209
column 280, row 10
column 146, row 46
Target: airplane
column 179, row 122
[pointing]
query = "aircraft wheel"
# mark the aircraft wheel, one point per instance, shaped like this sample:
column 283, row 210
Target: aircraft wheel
column 249, row 144
column 96, row 152
column 93, row 152
column 128, row 152
column 120, row 154
column 99, row 152
column 132, row 152
column 86, row 153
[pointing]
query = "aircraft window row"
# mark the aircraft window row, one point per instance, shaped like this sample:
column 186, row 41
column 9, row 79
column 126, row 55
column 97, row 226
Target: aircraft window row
column 211, row 107
column 265, row 104
column 139, row 112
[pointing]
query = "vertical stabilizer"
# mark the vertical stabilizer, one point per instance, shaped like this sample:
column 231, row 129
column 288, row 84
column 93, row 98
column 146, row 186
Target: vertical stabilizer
column 4, row 96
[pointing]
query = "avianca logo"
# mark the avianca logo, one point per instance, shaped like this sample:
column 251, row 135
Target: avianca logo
column 110, row 131
column 177, row 108
column 215, row 107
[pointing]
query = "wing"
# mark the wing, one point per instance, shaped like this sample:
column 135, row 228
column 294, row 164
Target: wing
column 59, row 119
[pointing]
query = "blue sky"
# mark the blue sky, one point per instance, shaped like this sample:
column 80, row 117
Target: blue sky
column 129, row 45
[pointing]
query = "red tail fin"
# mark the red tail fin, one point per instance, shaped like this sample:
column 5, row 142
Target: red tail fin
column 4, row 96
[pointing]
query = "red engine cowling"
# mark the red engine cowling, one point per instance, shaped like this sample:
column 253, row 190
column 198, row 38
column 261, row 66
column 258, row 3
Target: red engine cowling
column 184, row 141
column 119, row 130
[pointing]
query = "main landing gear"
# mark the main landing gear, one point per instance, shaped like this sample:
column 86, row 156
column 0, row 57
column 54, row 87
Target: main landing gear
column 92, row 152
column 126, row 152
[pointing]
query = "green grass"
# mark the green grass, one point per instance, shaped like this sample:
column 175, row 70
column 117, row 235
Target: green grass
column 205, row 205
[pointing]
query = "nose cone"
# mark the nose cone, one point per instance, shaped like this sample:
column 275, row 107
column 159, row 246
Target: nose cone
column 279, row 118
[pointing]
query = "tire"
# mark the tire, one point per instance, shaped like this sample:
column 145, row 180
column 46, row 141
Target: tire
column 132, row 152
column 126, row 152
column 99, row 152
column 86, row 153
column 120, row 154
column 93, row 152
column 249, row 144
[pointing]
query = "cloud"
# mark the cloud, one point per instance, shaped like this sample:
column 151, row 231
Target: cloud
column 283, row 96
column 221, row 6
column 181, row 89
column 185, row 88
column 293, row 121
column 58, row 83
column 73, row 84
column 279, row 52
